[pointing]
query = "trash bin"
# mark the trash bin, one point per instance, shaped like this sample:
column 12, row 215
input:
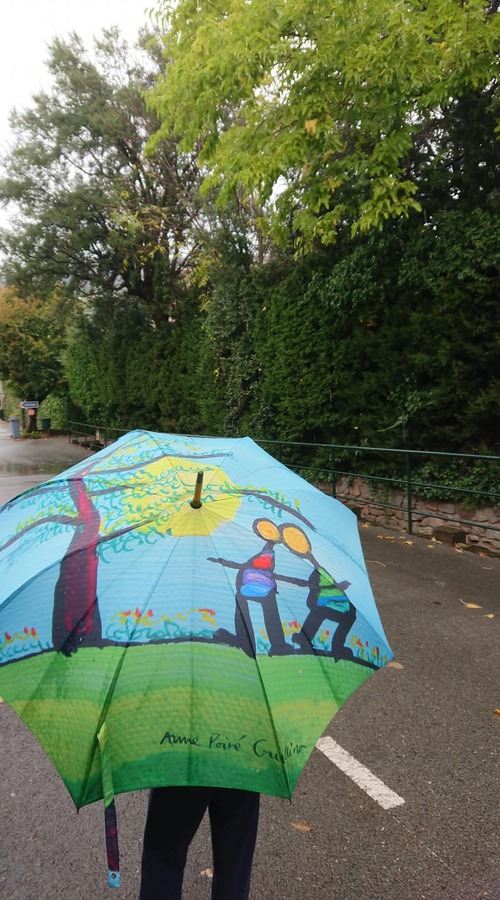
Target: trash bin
column 45, row 424
column 15, row 427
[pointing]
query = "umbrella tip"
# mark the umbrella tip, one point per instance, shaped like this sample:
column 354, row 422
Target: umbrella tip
column 196, row 501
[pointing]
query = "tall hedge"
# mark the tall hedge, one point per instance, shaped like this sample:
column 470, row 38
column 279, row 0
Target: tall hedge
column 393, row 339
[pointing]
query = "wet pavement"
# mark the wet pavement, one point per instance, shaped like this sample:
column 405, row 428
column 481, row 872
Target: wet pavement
column 25, row 462
column 427, row 725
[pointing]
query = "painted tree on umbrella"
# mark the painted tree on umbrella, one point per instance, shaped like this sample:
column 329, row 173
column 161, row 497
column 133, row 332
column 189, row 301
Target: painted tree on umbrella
column 232, row 629
column 123, row 499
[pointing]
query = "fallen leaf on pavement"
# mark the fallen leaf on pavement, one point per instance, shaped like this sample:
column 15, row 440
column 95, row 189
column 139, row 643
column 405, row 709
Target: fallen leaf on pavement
column 470, row 605
column 207, row 873
column 497, row 712
column 395, row 665
column 488, row 616
column 302, row 826
column 385, row 537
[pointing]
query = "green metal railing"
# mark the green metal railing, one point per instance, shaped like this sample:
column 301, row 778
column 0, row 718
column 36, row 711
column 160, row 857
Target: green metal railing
column 326, row 463
column 407, row 479
column 94, row 437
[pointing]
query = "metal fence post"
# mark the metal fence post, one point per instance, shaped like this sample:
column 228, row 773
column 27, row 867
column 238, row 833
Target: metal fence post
column 409, row 498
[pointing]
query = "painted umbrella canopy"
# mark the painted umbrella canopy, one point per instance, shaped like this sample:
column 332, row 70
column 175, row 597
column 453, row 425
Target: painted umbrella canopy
column 148, row 639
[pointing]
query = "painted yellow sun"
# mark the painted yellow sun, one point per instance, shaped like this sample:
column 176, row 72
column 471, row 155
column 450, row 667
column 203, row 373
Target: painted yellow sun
column 175, row 481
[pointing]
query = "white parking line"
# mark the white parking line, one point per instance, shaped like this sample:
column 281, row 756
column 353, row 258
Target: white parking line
column 362, row 776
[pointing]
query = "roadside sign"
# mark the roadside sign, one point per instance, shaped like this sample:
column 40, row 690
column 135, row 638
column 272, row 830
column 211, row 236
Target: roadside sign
column 28, row 404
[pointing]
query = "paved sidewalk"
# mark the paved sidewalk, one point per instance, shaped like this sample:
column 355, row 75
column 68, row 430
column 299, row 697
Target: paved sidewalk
column 427, row 726
column 25, row 462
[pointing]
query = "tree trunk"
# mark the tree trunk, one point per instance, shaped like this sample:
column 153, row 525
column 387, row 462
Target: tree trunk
column 76, row 619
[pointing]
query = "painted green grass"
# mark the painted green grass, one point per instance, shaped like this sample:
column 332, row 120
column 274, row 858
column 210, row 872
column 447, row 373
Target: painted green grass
column 187, row 713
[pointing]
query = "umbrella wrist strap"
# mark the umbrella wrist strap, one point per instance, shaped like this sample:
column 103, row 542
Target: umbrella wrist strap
column 110, row 824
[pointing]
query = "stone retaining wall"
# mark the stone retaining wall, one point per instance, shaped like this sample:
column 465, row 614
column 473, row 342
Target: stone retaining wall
column 427, row 515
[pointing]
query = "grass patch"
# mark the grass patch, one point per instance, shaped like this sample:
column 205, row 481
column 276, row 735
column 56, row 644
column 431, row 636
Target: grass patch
column 187, row 713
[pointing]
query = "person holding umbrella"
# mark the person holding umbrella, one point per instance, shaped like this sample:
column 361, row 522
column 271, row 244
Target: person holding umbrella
column 174, row 815
column 173, row 818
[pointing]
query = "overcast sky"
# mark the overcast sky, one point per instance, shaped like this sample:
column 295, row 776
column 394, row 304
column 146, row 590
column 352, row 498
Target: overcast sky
column 26, row 28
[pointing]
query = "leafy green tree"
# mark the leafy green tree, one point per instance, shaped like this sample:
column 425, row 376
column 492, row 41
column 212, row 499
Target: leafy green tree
column 115, row 228
column 387, row 339
column 397, row 342
column 329, row 110
column 449, row 273
column 125, row 371
column 32, row 339
column 162, row 383
column 93, row 211
column 229, row 361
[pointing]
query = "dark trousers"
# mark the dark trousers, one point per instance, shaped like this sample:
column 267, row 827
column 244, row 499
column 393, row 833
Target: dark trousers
column 174, row 815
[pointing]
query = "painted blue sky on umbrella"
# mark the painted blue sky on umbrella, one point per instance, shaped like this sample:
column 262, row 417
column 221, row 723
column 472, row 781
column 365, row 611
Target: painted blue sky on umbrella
column 118, row 531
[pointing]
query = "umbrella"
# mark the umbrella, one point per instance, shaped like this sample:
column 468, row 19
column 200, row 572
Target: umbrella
column 180, row 610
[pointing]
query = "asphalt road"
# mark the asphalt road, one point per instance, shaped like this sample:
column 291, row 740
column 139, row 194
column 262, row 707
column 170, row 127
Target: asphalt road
column 425, row 726
column 27, row 461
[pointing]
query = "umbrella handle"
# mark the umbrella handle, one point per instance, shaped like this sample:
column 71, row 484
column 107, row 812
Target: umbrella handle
column 110, row 824
column 111, row 833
